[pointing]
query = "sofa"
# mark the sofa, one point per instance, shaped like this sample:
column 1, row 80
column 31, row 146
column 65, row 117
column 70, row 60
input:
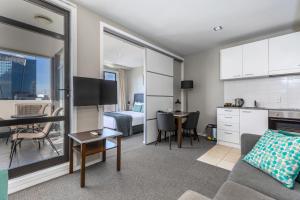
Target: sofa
column 248, row 183
column 3, row 184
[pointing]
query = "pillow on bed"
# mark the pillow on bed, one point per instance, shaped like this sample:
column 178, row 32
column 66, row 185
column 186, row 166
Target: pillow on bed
column 137, row 107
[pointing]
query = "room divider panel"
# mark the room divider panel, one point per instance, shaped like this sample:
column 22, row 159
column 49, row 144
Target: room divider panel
column 159, row 89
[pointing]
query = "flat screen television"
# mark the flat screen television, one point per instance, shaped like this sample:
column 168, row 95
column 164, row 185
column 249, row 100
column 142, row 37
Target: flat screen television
column 109, row 92
column 86, row 91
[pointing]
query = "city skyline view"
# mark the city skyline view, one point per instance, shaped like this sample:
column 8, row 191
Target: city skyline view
column 32, row 81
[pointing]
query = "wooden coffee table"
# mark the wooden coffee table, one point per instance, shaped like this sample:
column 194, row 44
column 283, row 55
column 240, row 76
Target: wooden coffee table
column 89, row 144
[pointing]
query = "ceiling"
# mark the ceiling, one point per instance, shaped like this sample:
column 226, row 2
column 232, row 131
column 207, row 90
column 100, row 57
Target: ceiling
column 16, row 39
column 185, row 27
column 120, row 53
column 24, row 11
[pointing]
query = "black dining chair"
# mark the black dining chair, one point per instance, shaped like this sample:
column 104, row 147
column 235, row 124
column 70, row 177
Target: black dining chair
column 166, row 122
column 190, row 125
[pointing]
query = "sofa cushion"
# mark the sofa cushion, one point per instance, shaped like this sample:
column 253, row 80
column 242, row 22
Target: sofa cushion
column 191, row 195
column 245, row 174
column 235, row 191
column 277, row 155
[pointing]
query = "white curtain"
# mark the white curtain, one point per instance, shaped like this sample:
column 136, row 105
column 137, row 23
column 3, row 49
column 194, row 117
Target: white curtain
column 122, row 90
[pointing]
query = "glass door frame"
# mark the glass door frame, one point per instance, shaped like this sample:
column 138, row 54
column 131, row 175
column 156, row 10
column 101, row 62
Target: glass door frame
column 22, row 170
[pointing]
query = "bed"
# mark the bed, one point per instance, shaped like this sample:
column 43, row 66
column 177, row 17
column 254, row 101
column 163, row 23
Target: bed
column 127, row 122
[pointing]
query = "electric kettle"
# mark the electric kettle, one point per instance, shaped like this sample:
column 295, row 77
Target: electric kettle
column 239, row 102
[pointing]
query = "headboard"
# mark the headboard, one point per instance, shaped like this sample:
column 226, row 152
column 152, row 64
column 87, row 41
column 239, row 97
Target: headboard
column 138, row 97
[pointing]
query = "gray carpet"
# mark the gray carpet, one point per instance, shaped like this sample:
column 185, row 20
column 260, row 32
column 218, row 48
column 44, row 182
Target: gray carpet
column 148, row 172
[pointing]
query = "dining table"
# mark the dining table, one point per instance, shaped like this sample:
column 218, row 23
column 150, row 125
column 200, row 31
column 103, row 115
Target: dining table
column 28, row 116
column 179, row 116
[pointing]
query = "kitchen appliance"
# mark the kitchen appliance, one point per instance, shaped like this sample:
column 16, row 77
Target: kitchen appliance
column 239, row 102
column 287, row 120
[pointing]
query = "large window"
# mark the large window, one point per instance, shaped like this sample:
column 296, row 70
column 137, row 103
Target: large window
column 34, row 86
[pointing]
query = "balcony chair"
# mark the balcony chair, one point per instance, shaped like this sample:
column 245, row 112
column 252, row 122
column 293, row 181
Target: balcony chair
column 44, row 134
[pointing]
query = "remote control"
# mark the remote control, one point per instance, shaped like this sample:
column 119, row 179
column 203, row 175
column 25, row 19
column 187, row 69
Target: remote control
column 94, row 133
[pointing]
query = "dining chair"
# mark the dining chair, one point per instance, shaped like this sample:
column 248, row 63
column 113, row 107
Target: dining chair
column 166, row 122
column 190, row 125
column 44, row 134
column 5, row 132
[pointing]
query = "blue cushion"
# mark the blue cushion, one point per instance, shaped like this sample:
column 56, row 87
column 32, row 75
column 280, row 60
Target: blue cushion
column 3, row 184
column 291, row 134
column 137, row 108
column 277, row 155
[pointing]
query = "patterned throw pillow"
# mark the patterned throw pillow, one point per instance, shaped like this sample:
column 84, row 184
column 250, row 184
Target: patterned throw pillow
column 291, row 134
column 277, row 155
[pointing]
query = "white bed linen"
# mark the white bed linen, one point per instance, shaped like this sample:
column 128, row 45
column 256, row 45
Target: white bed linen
column 137, row 119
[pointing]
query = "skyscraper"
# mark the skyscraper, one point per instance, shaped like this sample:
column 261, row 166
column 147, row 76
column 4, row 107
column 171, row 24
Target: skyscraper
column 17, row 80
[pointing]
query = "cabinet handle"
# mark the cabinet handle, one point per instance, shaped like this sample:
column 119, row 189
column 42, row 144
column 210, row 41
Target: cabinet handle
column 228, row 133
column 228, row 110
column 249, row 74
column 227, row 125
column 247, row 111
column 228, row 117
column 235, row 76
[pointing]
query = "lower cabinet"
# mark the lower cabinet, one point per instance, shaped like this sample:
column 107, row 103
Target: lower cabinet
column 233, row 122
column 253, row 121
column 228, row 127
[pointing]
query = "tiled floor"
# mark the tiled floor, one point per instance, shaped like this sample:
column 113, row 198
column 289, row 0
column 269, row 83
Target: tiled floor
column 221, row 156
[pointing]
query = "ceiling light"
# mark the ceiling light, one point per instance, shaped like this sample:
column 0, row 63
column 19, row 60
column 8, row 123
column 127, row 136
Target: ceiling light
column 218, row 28
column 42, row 19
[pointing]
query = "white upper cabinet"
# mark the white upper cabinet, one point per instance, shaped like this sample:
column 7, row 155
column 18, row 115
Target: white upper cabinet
column 255, row 59
column 284, row 54
column 231, row 63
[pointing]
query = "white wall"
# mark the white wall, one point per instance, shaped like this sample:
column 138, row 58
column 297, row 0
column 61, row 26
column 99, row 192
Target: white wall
column 135, row 82
column 272, row 92
column 207, row 94
column 177, row 84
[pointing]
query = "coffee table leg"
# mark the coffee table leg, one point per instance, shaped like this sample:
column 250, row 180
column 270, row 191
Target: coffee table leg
column 82, row 171
column 118, row 153
column 71, row 155
column 104, row 151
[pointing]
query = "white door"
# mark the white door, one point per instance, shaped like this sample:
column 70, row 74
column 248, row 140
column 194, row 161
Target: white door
column 253, row 121
column 255, row 59
column 159, row 90
column 284, row 54
column 232, row 62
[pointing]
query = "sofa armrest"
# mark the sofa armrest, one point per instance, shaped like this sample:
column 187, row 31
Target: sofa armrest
column 247, row 142
column 3, row 184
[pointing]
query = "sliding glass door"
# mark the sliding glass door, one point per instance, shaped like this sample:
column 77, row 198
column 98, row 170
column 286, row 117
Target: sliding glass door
column 34, row 86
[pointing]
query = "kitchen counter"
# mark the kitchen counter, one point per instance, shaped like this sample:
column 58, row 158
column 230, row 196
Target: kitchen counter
column 262, row 108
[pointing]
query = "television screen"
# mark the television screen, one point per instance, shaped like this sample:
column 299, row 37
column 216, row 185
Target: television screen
column 109, row 92
column 86, row 91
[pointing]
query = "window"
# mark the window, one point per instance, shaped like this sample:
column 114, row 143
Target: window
column 24, row 77
column 112, row 76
